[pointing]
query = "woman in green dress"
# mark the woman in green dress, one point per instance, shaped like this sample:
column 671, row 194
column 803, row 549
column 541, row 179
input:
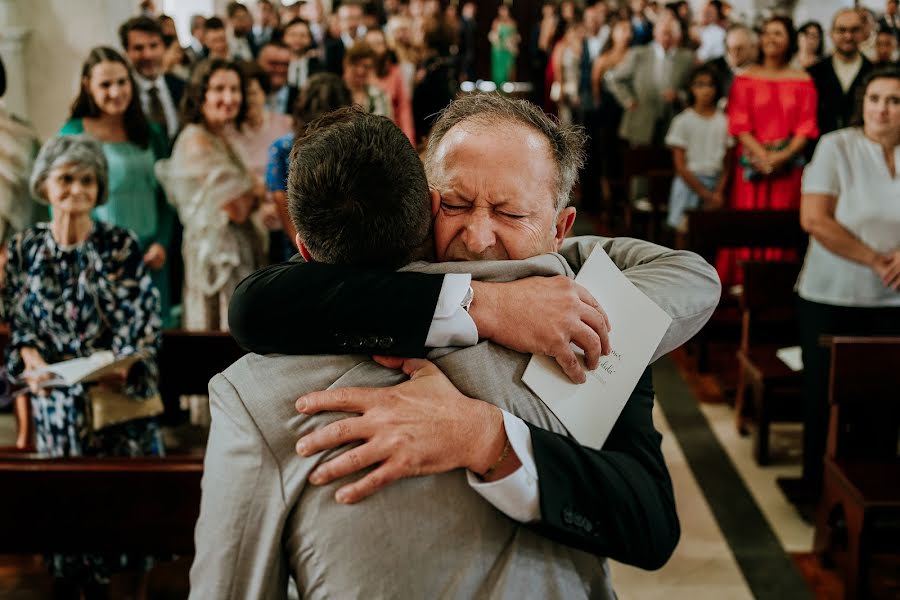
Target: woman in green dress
column 108, row 109
column 504, row 37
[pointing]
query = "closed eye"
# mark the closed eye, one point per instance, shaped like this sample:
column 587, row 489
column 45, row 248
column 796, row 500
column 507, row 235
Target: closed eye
column 453, row 208
column 512, row 216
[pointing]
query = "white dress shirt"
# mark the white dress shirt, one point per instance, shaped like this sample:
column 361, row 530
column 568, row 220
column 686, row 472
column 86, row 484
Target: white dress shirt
column 712, row 43
column 165, row 97
column 517, row 495
column 846, row 71
column 595, row 43
column 663, row 66
column 850, row 167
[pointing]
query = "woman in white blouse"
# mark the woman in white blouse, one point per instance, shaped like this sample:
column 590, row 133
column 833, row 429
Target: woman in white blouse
column 850, row 282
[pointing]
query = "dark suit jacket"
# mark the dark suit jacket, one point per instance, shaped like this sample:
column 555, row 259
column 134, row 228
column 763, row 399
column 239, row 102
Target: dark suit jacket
column 176, row 87
column 893, row 26
column 616, row 502
column 726, row 75
column 334, row 55
column 835, row 107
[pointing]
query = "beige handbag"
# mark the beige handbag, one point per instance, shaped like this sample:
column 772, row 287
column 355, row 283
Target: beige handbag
column 108, row 407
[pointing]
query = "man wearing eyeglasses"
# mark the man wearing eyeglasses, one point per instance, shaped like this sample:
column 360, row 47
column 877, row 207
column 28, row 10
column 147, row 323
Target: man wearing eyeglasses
column 838, row 77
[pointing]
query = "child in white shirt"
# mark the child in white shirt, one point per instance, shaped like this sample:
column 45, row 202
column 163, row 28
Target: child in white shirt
column 701, row 149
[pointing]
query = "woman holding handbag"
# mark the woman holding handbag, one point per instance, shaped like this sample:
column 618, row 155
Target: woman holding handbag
column 75, row 287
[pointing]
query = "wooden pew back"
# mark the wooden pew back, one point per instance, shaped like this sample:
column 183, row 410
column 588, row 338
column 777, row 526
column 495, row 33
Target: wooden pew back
column 865, row 401
column 146, row 505
column 714, row 230
column 189, row 359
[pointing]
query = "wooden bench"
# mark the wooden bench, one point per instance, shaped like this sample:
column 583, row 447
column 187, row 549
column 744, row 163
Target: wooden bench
column 188, row 360
column 769, row 322
column 654, row 163
column 146, row 505
column 711, row 231
column 859, row 514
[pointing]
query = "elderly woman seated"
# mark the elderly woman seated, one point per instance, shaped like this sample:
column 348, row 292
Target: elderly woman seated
column 76, row 287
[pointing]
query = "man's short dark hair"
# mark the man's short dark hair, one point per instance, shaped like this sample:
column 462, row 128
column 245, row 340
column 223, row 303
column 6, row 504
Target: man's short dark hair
column 215, row 23
column 234, row 8
column 142, row 23
column 357, row 192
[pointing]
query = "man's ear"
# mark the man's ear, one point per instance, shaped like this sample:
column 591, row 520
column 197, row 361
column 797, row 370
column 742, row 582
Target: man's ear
column 304, row 251
column 564, row 223
column 435, row 201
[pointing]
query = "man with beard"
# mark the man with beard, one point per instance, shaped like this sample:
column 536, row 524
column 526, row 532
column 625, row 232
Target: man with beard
column 275, row 59
column 160, row 93
column 838, row 77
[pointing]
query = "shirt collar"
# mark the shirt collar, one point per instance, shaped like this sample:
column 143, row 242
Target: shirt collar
column 145, row 84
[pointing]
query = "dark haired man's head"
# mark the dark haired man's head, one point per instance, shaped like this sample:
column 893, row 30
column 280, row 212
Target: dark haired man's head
column 198, row 25
column 357, row 192
column 239, row 18
column 215, row 38
column 275, row 58
column 142, row 39
column 297, row 36
column 885, row 47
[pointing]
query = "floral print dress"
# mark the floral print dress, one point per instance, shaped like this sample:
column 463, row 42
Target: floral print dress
column 69, row 302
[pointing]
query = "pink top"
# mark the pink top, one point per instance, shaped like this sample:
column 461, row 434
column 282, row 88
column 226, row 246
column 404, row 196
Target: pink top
column 253, row 144
column 401, row 105
column 772, row 109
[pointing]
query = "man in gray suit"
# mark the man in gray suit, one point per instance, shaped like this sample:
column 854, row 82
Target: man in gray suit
column 647, row 83
column 429, row 536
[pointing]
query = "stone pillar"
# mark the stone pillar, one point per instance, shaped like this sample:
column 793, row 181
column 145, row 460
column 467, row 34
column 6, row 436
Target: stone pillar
column 12, row 48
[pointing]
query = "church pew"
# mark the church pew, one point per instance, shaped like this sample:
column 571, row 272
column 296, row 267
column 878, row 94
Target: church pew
column 859, row 515
column 146, row 505
column 714, row 230
column 769, row 322
column 188, row 360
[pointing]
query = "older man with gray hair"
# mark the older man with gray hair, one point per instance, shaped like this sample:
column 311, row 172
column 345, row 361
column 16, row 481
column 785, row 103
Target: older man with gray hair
column 741, row 50
column 501, row 174
column 647, row 83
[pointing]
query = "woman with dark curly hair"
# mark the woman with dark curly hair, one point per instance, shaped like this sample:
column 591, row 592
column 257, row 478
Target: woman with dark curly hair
column 214, row 192
column 772, row 114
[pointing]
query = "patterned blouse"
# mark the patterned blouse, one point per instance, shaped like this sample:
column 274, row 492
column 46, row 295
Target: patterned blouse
column 69, row 302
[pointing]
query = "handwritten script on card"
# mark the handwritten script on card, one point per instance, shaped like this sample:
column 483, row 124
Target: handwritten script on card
column 590, row 410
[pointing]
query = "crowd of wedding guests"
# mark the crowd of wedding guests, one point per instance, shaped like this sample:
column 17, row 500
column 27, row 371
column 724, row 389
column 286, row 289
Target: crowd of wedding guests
column 166, row 185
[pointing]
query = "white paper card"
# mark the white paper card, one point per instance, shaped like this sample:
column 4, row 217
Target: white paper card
column 590, row 410
column 792, row 356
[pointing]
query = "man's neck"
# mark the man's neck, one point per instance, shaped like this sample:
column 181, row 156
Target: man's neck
column 847, row 58
column 145, row 79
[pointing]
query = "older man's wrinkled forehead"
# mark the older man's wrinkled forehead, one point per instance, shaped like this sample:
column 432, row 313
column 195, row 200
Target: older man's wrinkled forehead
column 466, row 135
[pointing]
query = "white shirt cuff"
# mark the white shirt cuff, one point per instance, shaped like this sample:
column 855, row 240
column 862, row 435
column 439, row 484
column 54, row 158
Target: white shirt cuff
column 452, row 325
column 517, row 495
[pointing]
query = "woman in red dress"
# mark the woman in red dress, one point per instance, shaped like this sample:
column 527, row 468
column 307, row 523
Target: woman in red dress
column 772, row 114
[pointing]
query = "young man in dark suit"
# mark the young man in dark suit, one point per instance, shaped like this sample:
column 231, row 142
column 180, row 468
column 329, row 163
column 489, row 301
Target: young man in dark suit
column 160, row 93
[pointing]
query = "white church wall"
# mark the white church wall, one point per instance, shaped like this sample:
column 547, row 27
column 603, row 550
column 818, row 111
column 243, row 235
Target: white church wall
column 62, row 34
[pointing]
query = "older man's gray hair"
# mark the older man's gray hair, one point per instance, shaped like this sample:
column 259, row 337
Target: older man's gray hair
column 80, row 150
column 490, row 110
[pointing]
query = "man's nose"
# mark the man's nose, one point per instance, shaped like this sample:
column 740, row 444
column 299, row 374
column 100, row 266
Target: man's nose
column 479, row 235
